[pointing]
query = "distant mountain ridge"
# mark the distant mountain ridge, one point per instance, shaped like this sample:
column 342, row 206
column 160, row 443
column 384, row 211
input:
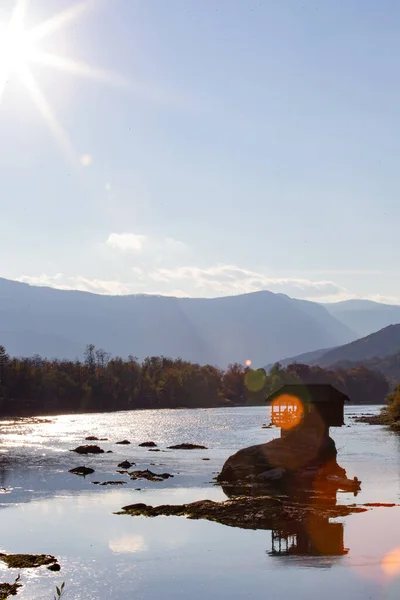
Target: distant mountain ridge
column 364, row 316
column 260, row 326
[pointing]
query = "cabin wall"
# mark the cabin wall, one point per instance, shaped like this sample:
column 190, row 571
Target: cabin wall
column 332, row 414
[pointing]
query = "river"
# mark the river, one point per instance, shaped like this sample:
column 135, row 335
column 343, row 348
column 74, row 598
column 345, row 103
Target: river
column 105, row 556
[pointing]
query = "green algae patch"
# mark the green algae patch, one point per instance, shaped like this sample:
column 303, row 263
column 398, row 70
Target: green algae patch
column 28, row 561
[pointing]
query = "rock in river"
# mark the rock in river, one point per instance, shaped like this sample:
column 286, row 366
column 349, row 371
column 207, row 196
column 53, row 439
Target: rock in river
column 294, row 453
column 149, row 475
column 123, row 442
column 81, row 471
column 88, row 449
column 29, row 561
column 126, row 464
column 264, row 512
column 187, row 447
column 9, row 589
column 148, row 445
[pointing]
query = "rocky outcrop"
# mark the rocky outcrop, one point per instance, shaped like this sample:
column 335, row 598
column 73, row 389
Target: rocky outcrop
column 123, row 442
column 262, row 512
column 29, row 561
column 297, row 453
column 148, row 445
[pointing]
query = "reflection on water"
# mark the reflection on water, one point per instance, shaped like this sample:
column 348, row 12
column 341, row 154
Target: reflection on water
column 109, row 557
column 316, row 537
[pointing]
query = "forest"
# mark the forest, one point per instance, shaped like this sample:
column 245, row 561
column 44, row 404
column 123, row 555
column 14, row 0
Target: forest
column 38, row 386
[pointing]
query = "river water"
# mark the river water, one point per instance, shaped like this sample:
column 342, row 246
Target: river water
column 105, row 556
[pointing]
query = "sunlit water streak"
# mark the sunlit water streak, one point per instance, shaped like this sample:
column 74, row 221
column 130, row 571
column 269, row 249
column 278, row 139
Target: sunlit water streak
column 105, row 556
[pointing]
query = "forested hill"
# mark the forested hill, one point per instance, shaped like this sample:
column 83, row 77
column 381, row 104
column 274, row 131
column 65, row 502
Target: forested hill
column 36, row 386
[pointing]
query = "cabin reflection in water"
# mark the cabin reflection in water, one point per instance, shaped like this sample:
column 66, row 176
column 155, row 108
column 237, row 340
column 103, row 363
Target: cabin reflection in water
column 311, row 538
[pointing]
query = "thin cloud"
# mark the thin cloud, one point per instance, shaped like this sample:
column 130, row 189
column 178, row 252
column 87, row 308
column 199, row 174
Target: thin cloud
column 190, row 281
column 128, row 242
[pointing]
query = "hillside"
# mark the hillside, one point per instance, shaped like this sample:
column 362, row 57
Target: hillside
column 364, row 316
column 383, row 343
column 379, row 351
column 261, row 326
column 389, row 366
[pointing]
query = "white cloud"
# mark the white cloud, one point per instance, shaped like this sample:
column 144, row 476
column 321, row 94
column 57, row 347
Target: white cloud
column 230, row 279
column 126, row 241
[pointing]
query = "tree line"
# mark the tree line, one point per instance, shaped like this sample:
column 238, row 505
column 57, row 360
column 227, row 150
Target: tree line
column 38, row 386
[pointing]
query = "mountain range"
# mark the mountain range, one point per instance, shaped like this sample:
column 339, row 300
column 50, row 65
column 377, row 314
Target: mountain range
column 262, row 326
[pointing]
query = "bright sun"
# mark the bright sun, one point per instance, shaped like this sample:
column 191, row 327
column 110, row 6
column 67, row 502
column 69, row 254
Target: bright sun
column 16, row 49
column 19, row 50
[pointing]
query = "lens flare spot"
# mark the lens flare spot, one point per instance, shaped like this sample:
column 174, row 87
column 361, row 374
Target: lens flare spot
column 287, row 411
column 108, row 187
column 86, row 160
column 391, row 562
column 255, row 380
column 248, row 363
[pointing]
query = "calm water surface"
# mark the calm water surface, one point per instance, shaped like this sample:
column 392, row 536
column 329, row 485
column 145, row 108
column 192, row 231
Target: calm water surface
column 45, row 509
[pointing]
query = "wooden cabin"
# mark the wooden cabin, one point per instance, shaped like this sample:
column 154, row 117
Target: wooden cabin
column 307, row 406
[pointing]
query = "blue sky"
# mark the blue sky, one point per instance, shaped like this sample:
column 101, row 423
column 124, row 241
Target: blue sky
column 214, row 147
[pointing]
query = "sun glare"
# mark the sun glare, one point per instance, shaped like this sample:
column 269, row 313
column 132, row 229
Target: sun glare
column 20, row 50
column 16, row 50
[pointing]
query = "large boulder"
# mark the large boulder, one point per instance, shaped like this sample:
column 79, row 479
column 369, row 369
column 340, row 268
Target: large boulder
column 297, row 452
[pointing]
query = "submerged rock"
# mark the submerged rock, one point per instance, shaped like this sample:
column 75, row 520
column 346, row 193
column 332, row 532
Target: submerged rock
column 148, row 445
column 88, row 449
column 149, row 475
column 81, row 471
column 187, row 447
column 123, row 442
column 297, row 453
column 126, row 464
column 28, row 561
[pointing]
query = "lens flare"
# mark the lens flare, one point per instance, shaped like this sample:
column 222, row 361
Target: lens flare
column 391, row 562
column 287, row 411
column 255, row 380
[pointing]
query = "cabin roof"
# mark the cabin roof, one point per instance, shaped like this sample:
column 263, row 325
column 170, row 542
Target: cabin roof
column 313, row 393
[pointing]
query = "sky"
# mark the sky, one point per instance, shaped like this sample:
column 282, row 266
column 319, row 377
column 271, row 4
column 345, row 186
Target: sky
column 201, row 148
